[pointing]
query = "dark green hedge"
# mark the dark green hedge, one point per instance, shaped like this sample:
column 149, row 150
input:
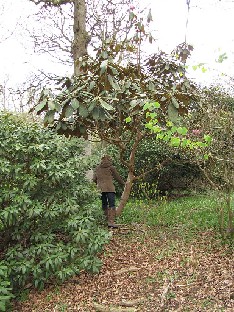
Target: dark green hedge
column 48, row 227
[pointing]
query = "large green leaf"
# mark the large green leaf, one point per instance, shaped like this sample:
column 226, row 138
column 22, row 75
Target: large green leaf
column 103, row 66
column 41, row 105
column 175, row 142
column 74, row 103
column 103, row 115
column 134, row 103
column 175, row 102
column 83, row 111
column 49, row 117
column 92, row 105
column 51, row 104
column 105, row 105
column 57, row 106
column 69, row 111
column 95, row 113
column 182, row 130
column 173, row 113
column 113, row 83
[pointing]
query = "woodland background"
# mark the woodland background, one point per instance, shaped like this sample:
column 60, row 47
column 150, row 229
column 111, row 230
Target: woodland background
column 171, row 138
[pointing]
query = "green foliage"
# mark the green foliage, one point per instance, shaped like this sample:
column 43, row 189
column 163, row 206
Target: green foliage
column 176, row 136
column 48, row 214
column 188, row 215
column 222, row 57
column 174, row 171
column 5, row 287
column 108, row 97
column 214, row 116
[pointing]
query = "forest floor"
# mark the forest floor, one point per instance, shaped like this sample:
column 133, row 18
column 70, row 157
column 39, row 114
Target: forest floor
column 147, row 269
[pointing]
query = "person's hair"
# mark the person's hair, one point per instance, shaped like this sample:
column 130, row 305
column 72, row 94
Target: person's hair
column 106, row 157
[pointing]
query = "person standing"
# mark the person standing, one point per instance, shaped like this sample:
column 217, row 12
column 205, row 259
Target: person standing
column 103, row 176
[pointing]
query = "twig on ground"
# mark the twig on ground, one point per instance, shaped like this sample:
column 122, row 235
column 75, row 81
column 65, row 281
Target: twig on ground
column 102, row 308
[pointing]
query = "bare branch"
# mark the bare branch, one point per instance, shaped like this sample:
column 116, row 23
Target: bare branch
column 158, row 167
column 51, row 2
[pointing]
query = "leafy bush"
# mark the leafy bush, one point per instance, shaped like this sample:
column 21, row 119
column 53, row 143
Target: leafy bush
column 179, row 174
column 214, row 115
column 5, row 287
column 48, row 224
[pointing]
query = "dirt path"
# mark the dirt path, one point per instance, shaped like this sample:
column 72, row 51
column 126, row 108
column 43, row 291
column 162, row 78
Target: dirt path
column 148, row 270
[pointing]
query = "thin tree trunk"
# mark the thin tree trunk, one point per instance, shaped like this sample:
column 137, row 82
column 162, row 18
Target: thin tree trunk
column 81, row 39
column 79, row 49
column 126, row 193
column 131, row 176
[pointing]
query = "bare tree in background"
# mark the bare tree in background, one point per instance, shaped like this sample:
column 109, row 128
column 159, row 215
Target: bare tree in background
column 8, row 96
column 73, row 28
column 21, row 98
column 3, row 94
column 80, row 39
column 7, row 32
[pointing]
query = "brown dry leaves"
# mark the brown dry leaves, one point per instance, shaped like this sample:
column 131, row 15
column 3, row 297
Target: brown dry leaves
column 147, row 271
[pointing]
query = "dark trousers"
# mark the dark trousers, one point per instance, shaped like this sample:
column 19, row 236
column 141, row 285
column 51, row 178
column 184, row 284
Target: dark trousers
column 108, row 200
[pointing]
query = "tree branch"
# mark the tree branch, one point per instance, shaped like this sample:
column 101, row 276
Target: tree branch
column 160, row 166
column 51, row 2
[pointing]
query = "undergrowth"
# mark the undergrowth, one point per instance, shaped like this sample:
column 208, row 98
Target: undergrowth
column 186, row 215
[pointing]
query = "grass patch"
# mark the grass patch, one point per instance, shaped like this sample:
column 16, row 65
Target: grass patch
column 188, row 215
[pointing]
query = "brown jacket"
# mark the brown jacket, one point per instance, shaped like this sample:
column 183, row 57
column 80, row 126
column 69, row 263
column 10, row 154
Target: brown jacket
column 104, row 175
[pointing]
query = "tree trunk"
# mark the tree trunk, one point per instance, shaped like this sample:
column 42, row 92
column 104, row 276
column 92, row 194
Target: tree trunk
column 131, row 176
column 126, row 193
column 81, row 38
column 79, row 49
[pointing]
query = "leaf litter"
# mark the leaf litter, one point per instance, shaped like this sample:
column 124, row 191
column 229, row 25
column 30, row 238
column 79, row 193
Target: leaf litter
column 147, row 271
